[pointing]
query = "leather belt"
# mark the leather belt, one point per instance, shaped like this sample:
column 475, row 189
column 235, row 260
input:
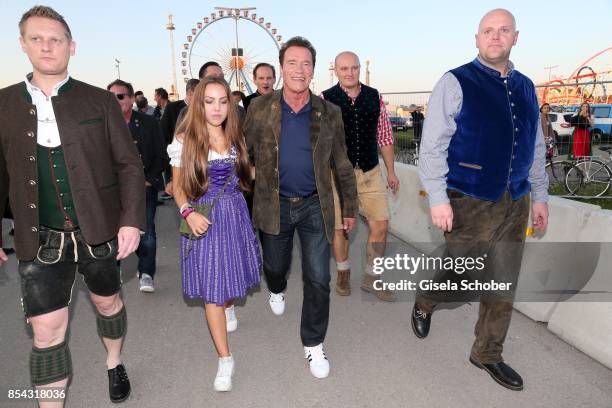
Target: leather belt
column 298, row 199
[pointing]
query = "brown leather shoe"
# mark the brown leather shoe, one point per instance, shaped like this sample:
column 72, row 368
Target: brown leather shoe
column 367, row 284
column 343, row 282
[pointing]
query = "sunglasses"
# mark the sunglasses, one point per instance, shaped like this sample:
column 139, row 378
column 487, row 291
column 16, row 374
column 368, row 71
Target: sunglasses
column 121, row 96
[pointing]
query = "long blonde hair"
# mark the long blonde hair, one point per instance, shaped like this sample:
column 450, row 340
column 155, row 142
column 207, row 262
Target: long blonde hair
column 193, row 180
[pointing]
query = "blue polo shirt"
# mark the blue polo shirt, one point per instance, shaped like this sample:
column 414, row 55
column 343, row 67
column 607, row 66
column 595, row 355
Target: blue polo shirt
column 295, row 166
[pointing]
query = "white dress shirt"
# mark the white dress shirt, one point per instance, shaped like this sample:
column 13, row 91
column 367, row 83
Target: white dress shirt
column 47, row 133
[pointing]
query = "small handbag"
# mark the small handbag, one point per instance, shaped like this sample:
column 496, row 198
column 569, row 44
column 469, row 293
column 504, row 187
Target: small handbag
column 203, row 209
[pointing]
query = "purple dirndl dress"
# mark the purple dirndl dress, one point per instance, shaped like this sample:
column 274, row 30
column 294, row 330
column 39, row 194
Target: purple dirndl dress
column 226, row 262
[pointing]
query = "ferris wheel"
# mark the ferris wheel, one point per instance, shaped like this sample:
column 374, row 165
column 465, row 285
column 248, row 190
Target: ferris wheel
column 236, row 39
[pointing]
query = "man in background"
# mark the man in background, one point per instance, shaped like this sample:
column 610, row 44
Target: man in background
column 264, row 76
column 174, row 111
column 142, row 103
column 366, row 128
column 161, row 98
column 417, row 122
column 152, row 149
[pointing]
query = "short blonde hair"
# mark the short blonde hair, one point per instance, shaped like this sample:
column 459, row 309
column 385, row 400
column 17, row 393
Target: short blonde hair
column 46, row 12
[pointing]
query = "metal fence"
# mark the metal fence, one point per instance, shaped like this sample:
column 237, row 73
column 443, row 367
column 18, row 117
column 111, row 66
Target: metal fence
column 403, row 109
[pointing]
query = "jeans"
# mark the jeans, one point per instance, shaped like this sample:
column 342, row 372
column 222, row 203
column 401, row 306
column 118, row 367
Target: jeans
column 306, row 217
column 147, row 249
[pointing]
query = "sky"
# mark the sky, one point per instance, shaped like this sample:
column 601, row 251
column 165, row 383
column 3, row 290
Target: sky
column 410, row 44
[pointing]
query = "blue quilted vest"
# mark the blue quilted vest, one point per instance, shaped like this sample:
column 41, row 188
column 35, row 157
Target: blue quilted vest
column 492, row 149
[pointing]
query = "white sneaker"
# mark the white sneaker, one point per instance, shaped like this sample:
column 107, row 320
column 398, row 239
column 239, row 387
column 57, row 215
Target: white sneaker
column 319, row 364
column 146, row 283
column 223, row 380
column 231, row 322
column 277, row 303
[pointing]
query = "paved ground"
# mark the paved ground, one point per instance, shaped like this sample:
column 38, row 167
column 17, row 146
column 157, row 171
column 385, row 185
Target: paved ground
column 376, row 360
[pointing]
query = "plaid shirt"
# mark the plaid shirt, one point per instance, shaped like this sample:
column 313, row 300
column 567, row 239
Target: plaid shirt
column 384, row 132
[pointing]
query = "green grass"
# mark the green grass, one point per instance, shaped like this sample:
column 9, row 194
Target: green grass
column 403, row 139
column 403, row 135
column 557, row 189
column 604, row 202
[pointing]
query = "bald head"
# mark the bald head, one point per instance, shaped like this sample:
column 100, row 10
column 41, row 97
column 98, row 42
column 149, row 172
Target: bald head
column 495, row 15
column 347, row 56
column 495, row 38
column 346, row 67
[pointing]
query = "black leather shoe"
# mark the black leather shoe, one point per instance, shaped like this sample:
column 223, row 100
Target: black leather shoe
column 8, row 251
column 502, row 373
column 118, row 384
column 420, row 322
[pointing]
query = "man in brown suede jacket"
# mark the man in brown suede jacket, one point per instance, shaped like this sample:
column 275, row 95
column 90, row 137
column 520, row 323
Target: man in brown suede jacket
column 296, row 142
column 76, row 187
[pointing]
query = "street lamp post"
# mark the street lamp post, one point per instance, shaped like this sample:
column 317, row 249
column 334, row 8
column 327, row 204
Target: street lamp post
column 117, row 62
column 170, row 28
column 549, row 69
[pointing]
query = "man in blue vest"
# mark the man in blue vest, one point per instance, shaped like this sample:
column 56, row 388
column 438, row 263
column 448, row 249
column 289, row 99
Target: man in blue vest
column 482, row 153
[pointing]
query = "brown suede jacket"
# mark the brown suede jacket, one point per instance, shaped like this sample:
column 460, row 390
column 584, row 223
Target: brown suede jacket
column 262, row 130
column 105, row 173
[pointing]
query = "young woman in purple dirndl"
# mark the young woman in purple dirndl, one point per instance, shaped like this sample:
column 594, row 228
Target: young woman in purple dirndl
column 221, row 260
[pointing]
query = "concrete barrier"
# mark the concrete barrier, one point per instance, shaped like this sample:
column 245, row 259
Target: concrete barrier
column 545, row 266
column 410, row 219
column 585, row 321
column 548, row 262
